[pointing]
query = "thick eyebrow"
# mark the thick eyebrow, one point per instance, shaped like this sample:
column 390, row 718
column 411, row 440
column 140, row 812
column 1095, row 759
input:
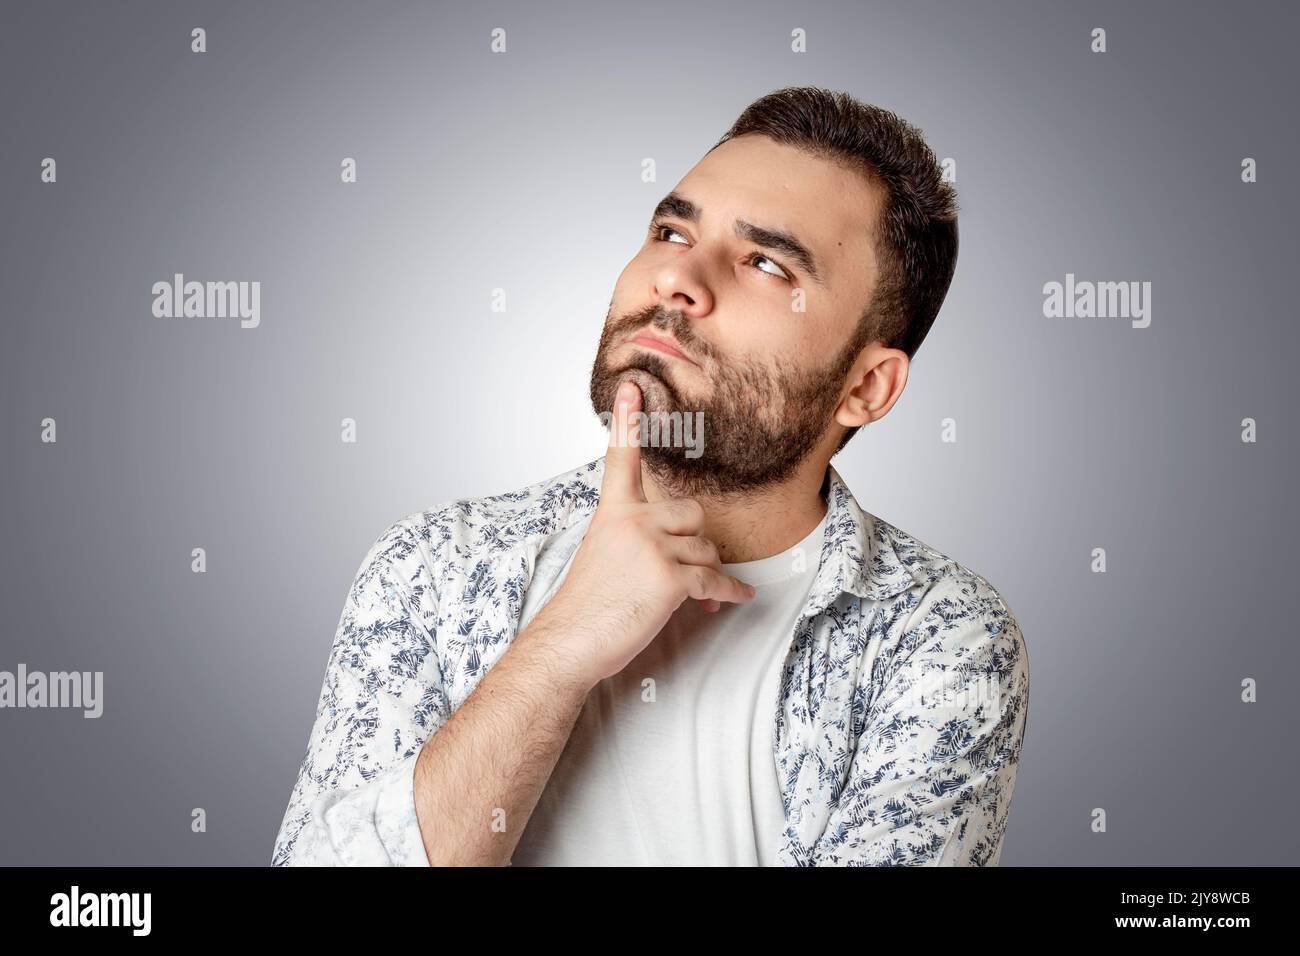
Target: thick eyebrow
column 679, row 207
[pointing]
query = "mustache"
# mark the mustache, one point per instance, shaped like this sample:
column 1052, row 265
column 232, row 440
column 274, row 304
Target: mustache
column 674, row 323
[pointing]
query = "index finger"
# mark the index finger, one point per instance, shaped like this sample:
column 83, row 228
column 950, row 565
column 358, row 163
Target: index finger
column 622, row 478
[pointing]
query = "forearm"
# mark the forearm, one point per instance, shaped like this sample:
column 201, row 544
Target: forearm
column 479, row 778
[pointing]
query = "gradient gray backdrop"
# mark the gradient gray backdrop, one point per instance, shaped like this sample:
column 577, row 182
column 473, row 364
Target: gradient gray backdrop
column 522, row 171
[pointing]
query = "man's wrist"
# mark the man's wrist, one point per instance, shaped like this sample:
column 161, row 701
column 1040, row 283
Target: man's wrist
column 549, row 640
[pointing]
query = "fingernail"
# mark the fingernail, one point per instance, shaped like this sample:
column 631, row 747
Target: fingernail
column 751, row 589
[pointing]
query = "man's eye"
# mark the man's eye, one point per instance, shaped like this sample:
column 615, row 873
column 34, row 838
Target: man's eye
column 660, row 230
column 780, row 273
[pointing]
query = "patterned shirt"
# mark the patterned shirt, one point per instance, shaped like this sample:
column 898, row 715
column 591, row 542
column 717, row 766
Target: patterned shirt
column 898, row 726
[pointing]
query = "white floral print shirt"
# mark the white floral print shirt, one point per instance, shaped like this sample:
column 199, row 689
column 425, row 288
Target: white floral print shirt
column 898, row 728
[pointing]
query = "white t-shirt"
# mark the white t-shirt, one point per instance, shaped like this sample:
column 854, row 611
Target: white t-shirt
column 671, row 761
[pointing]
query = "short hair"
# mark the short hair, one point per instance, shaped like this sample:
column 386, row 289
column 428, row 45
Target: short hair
column 916, row 237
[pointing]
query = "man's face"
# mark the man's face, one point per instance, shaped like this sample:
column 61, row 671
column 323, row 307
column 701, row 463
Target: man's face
column 767, row 376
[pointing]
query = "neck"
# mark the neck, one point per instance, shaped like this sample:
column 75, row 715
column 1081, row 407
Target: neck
column 760, row 523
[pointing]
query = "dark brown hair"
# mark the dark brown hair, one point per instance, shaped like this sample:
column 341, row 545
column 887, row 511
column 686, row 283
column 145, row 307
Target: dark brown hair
column 916, row 237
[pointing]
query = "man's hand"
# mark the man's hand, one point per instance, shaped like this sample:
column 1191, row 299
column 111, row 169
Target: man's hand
column 637, row 563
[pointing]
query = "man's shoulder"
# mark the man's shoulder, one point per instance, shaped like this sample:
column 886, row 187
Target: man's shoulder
column 952, row 628
column 948, row 597
column 493, row 526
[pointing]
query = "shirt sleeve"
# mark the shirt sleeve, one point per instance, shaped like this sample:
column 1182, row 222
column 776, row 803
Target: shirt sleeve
column 382, row 698
column 932, row 771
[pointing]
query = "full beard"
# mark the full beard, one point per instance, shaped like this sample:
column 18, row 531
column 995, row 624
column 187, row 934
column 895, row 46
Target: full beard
column 757, row 426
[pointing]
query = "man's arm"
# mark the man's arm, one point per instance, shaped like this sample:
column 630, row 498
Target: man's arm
column 933, row 769
column 478, row 780
column 391, row 777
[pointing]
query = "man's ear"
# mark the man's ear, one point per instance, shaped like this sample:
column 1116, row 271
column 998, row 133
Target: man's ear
column 879, row 377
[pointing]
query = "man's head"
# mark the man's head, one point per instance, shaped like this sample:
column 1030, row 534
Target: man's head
column 798, row 265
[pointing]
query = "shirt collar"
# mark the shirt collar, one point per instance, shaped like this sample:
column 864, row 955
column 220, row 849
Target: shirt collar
column 858, row 549
column 858, row 554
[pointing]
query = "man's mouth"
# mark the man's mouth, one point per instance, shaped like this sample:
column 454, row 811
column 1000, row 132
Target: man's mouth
column 659, row 345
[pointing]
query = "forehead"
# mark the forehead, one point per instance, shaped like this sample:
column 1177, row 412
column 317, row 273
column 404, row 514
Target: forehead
column 831, row 209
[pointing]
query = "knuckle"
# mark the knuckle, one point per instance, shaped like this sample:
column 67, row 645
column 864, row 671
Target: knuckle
column 700, row 579
column 639, row 521
column 662, row 551
column 690, row 511
column 663, row 571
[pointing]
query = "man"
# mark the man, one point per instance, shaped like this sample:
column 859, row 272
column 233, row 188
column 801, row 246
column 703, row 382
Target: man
column 670, row 657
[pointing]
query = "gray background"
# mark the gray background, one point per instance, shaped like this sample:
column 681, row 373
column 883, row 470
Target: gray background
column 522, row 171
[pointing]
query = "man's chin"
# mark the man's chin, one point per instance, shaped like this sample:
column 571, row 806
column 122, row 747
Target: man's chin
column 656, row 394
